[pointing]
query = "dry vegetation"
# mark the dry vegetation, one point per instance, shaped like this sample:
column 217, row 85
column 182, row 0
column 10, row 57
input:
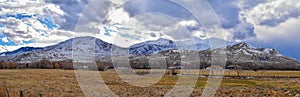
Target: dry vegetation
column 260, row 73
column 54, row 83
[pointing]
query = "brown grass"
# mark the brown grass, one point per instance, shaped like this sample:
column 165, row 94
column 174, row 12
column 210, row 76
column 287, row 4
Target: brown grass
column 62, row 83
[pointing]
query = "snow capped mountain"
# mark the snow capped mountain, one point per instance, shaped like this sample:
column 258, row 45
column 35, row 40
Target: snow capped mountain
column 63, row 50
column 151, row 47
column 246, row 55
column 241, row 52
column 247, row 49
column 243, row 55
column 66, row 46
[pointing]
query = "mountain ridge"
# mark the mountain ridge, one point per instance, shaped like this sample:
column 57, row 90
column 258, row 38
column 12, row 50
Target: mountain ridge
column 63, row 50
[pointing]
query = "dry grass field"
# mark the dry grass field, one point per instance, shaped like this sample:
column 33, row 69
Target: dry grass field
column 62, row 83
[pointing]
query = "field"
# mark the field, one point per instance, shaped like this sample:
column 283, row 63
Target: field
column 63, row 83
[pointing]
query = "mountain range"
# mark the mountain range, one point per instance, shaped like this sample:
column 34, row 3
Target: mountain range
column 63, row 50
column 239, row 53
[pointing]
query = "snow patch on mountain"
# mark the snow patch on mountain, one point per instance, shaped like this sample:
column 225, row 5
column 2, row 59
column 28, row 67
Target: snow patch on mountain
column 101, row 49
column 151, row 47
column 3, row 49
column 250, row 50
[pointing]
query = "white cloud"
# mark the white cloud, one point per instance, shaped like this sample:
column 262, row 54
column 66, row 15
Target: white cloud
column 146, row 27
column 4, row 39
column 32, row 7
column 43, row 41
column 246, row 4
column 55, row 36
column 269, row 18
column 3, row 49
column 22, row 19
column 214, row 32
column 18, row 30
column 273, row 12
column 286, row 31
column 272, row 20
column 119, row 16
column 190, row 23
column 143, row 27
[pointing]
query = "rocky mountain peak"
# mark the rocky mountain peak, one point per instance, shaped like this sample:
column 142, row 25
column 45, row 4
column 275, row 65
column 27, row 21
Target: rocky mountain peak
column 243, row 45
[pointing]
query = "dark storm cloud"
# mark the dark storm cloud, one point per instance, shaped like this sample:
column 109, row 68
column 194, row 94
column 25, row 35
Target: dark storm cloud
column 227, row 12
column 136, row 7
column 72, row 9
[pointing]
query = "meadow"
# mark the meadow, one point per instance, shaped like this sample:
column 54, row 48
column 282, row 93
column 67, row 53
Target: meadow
column 63, row 83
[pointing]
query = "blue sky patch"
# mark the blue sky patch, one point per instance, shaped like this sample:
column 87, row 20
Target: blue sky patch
column 49, row 23
column 20, row 16
column 10, row 43
column 27, row 42
column 106, row 31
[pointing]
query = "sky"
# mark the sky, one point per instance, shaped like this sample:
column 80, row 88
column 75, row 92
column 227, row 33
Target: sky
column 39, row 23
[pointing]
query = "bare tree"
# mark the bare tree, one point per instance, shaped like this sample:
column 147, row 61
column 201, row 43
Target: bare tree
column 238, row 70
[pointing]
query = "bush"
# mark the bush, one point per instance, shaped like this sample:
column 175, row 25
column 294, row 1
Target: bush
column 103, row 66
column 11, row 65
column 2, row 64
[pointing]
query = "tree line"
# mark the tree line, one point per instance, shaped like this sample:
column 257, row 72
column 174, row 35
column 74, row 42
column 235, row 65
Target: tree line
column 47, row 64
column 143, row 63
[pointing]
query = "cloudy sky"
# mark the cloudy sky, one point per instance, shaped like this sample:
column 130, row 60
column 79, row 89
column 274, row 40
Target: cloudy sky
column 38, row 23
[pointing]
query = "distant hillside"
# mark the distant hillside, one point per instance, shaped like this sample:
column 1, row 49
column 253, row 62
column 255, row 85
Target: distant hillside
column 244, row 56
column 241, row 54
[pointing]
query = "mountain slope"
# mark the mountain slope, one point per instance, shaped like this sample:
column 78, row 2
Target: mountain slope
column 244, row 56
column 19, row 51
column 251, row 57
column 151, row 47
column 63, row 50
column 243, row 50
column 241, row 54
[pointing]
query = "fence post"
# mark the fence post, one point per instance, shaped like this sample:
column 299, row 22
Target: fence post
column 21, row 94
column 7, row 92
